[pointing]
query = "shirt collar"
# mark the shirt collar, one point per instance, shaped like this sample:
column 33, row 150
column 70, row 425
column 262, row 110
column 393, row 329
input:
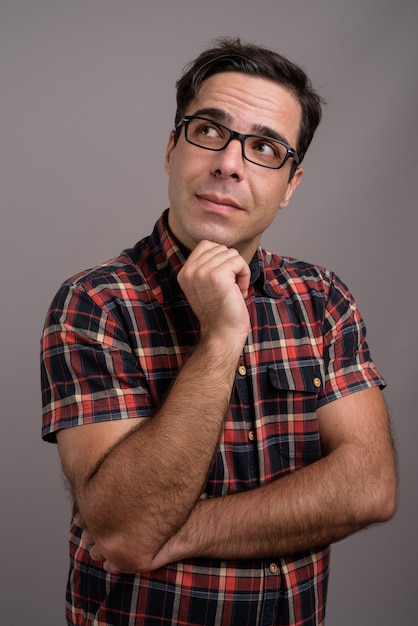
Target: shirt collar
column 263, row 274
column 169, row 256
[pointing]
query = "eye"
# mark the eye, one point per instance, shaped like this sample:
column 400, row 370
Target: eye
column 266, row 148
column 265, row 151
column 206, row 129
column 206, row 133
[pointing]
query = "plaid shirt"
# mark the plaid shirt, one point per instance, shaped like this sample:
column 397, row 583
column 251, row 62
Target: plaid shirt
column 114, row 339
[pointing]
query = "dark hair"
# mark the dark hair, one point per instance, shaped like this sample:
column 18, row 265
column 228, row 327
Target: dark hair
column 231, row 55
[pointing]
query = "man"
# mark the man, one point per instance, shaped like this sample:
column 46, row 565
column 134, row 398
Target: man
column 218, row 415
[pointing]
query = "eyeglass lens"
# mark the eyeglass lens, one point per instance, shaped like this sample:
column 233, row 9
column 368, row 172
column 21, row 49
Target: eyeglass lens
column 212, row 136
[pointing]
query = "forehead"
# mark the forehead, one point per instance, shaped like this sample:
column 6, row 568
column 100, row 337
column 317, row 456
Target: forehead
column 249, row 102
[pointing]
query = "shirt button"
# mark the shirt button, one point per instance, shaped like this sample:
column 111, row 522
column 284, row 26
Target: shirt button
column 273, row 568
column 317, row 382
column 242, row 370
column 251, row 435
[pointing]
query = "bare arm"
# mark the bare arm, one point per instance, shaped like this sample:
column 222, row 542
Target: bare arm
column 132, row 483
column 353, row 486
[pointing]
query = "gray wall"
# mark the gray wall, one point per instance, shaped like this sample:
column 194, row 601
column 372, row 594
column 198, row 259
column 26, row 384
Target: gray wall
column 87, row 101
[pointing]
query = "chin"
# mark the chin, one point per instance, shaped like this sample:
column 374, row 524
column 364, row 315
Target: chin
column 216, row 237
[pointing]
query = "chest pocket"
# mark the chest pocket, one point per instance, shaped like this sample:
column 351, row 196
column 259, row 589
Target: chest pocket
column 289, row 422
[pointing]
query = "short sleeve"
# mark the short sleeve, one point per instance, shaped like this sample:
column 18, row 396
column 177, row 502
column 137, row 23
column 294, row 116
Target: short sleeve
column 347, row 362
column 89, row 372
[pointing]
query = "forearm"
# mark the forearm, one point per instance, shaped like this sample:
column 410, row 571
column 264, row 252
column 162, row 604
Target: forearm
column 320, row 504
column 144, row 488
column 285, row 517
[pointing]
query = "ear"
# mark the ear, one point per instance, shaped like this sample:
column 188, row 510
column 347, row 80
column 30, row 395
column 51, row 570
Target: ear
column 291, row 186
column 170, row 147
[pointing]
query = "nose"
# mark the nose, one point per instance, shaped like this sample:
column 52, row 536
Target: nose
column 229, row 162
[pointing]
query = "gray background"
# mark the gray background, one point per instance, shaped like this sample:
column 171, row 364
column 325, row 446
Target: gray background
column 87, row 101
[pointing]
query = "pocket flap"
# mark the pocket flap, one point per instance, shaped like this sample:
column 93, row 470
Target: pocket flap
column 301, row 376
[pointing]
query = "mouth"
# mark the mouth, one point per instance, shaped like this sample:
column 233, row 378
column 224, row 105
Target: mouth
column 219, row 202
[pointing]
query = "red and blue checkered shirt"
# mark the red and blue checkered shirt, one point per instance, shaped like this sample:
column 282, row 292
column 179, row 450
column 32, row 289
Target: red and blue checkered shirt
column 114, row 339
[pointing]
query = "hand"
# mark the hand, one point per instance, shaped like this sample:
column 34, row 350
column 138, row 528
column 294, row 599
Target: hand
column 215, row 280
column 94, row 552
column 165, row 556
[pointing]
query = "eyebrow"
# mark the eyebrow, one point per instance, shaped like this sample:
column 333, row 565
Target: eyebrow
column 221, row 116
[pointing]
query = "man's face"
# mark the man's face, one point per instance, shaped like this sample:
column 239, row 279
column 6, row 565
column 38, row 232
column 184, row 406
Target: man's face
column 220, row 196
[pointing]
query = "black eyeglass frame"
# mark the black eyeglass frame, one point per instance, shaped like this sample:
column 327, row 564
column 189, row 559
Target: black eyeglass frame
column 233, row 134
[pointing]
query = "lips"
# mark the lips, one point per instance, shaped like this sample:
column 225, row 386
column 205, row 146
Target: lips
column 220, row 200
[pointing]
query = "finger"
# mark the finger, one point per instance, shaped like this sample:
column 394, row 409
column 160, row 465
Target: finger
column 87, row 537
column 231, row 261
column 204, row 254
column 204, row 246
column 243, row 280
column 209, row 251
column 217, row 257
column 110, row 568
column 95, row 553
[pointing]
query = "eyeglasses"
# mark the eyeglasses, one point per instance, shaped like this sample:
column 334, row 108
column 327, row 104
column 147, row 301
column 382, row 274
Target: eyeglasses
column 263, row 151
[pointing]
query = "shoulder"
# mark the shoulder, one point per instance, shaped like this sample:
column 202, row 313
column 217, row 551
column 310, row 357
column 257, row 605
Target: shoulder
column 307, row 286
column 121, row 278
column 297, row 275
